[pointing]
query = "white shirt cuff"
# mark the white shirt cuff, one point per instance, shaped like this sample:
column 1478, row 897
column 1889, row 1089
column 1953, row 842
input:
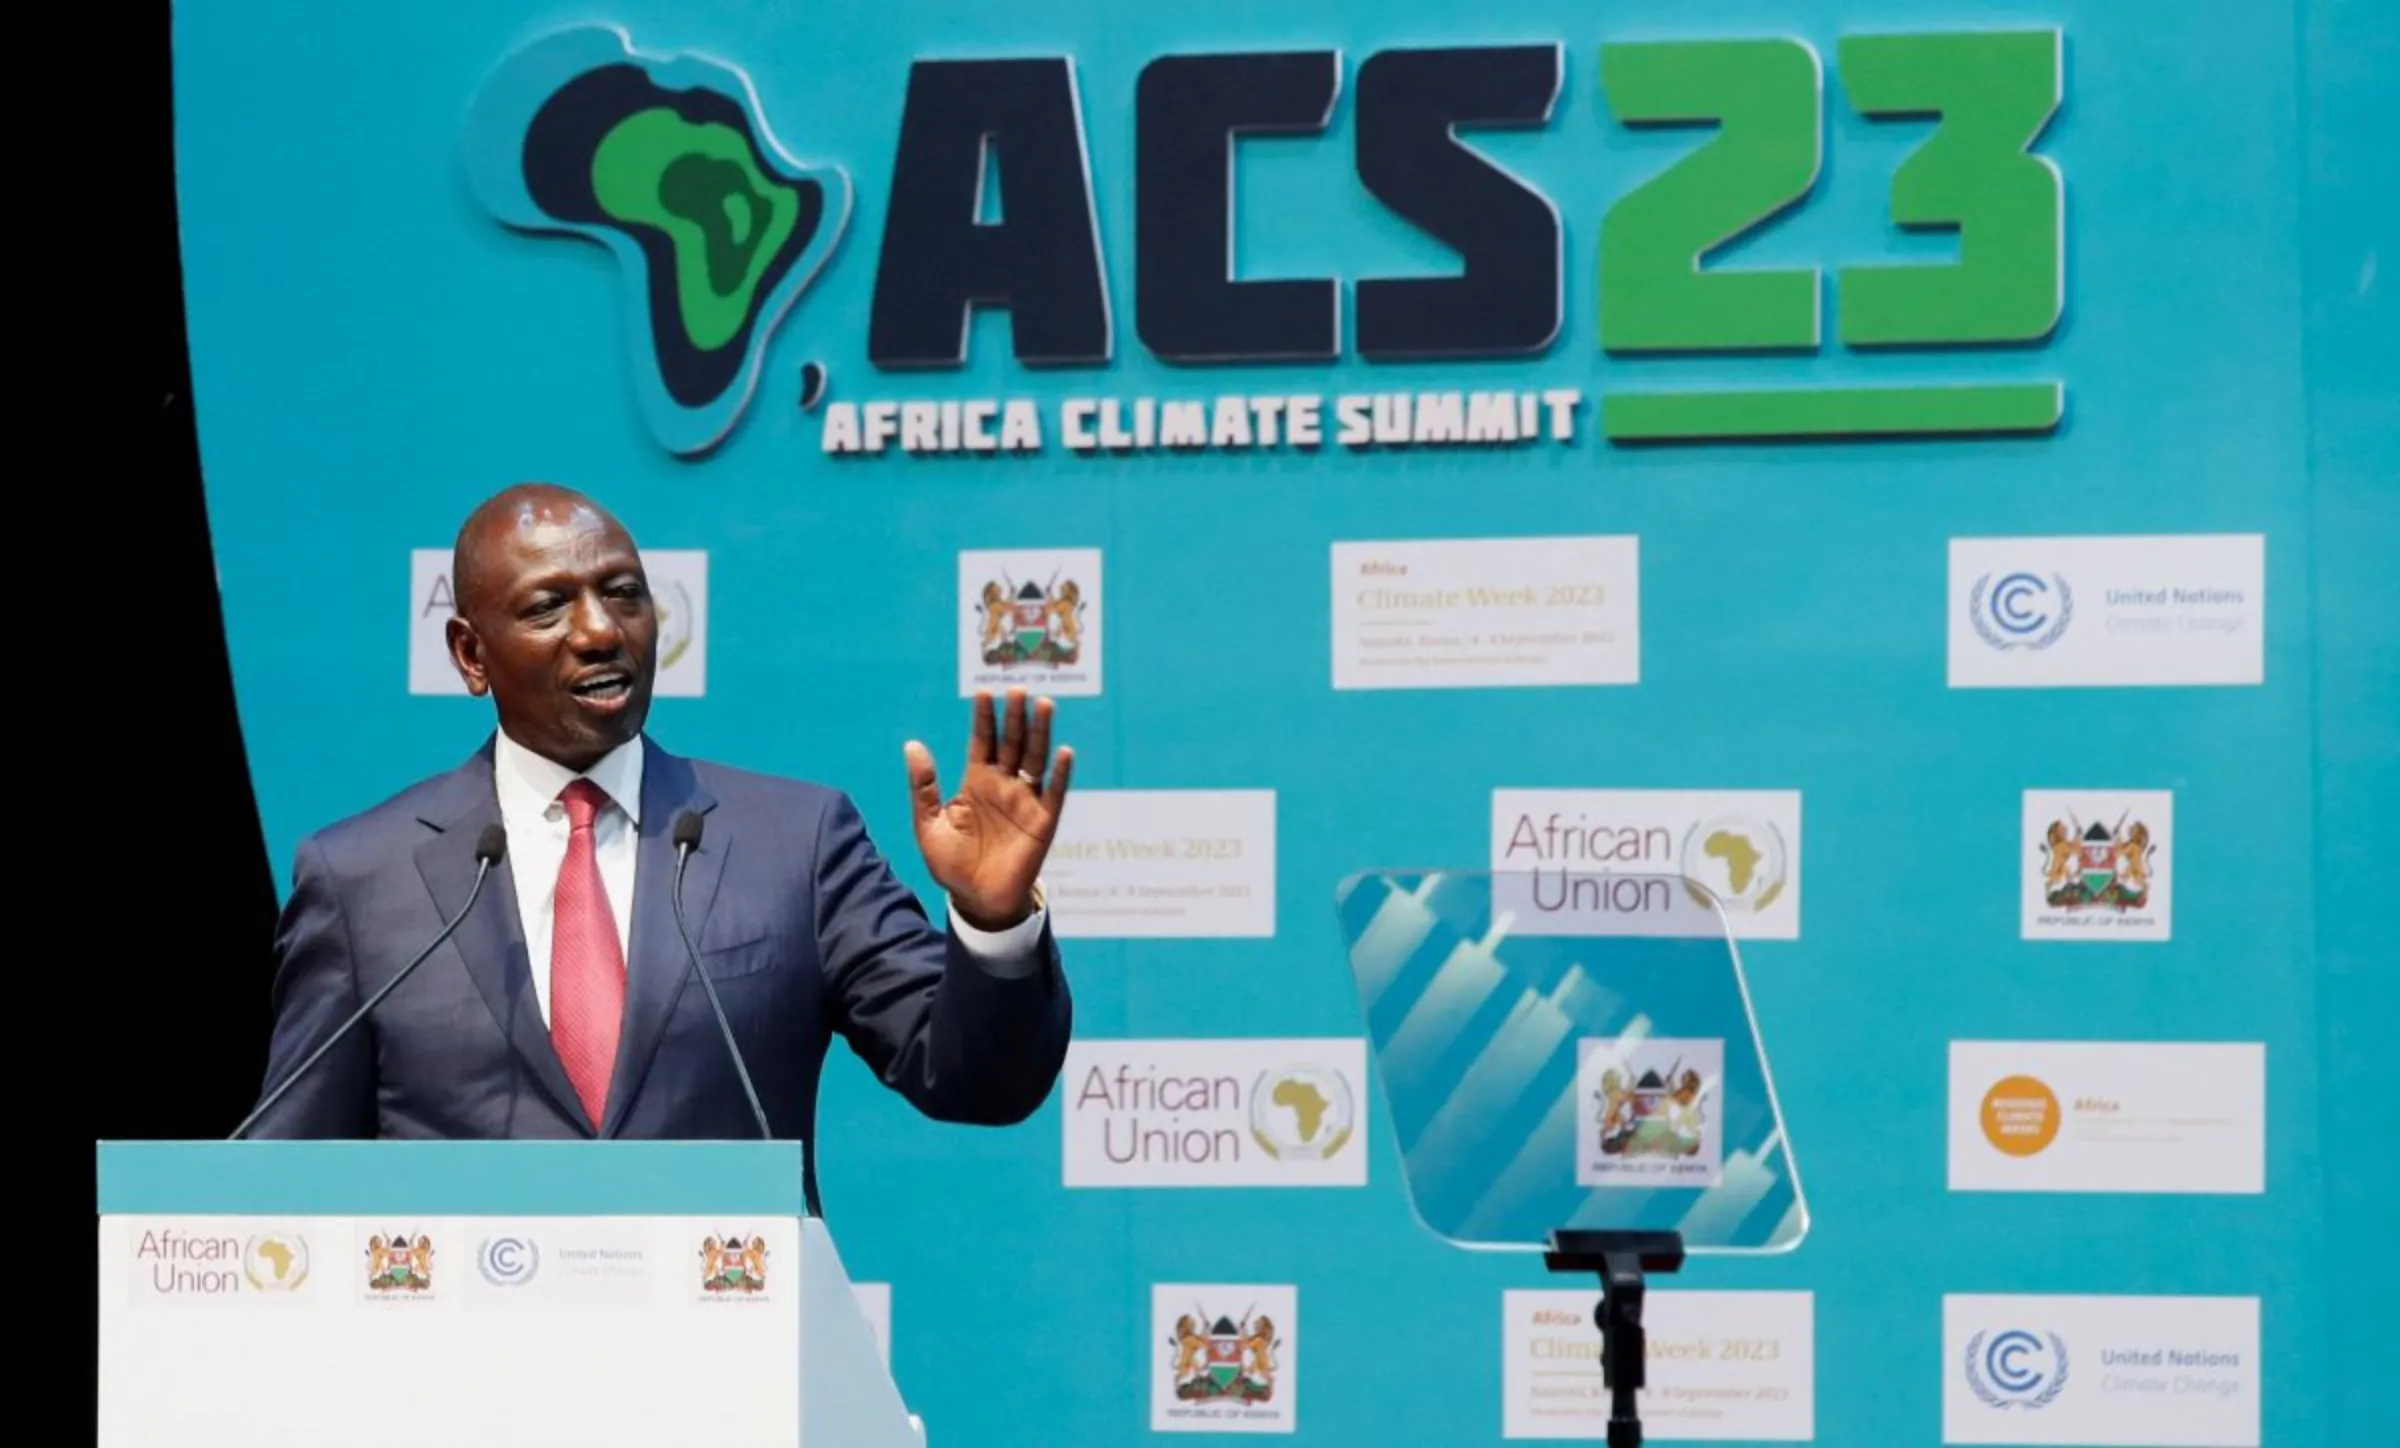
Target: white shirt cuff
column 1008, row 953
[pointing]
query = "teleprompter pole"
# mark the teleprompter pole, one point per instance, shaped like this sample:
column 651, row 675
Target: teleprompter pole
column 1621, row 1259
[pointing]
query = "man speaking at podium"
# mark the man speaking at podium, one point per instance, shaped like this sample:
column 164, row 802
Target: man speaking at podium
column 565, row 1004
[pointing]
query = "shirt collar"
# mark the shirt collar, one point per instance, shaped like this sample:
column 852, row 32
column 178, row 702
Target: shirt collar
column 528, row 784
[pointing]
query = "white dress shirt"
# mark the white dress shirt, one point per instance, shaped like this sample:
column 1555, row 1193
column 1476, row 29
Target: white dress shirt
column 528, row 787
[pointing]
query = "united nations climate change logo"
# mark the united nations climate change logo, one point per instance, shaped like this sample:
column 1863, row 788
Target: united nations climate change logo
column 667, row 162
column 508, row 1261
column 1741, row 860
column 2021, row 610
column 1302, row 1113
column 274, row 1262
column 2017, row 1369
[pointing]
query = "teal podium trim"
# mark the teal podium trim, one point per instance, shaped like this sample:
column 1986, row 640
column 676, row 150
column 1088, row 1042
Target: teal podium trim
column 454, row 1178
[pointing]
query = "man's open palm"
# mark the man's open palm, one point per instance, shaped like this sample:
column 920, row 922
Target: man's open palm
column 985, row 844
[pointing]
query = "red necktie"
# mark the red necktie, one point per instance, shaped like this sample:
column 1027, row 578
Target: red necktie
column 587, row 964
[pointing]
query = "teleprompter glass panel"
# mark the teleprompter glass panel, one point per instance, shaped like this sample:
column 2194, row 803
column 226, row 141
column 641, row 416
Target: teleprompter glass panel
column 1570, row 1051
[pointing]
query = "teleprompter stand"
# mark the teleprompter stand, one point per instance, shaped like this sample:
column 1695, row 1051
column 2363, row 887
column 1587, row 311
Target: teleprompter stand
column 1621, row 1259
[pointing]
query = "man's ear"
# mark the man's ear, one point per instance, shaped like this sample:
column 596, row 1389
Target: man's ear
column 466, row 655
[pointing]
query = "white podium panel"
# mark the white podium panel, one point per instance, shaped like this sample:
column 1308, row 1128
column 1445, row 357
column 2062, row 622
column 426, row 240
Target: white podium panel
column 512, row 1332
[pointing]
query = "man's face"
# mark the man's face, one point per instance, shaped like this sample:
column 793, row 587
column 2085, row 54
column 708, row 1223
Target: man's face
column 560, row 631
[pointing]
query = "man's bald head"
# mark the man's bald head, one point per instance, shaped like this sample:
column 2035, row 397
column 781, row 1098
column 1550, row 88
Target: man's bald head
column 555, row 621
column 486, row 535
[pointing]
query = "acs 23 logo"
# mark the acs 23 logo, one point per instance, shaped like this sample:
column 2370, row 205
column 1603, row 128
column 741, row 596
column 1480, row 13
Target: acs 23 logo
column 670, row 164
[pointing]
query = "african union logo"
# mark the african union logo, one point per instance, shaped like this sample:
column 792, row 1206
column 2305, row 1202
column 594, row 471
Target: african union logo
column 671, row 602
column 508, row 1261
column 275, row 1263
column 2021, row 610
column 667, row 162
column 1302, row 1113
column 1742, row 862
column 2017, row 1369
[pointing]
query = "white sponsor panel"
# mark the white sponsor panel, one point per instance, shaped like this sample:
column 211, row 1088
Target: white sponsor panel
column 1469, row 613
column 1226, row 1358
column 2098, row 865
column 1030, row 619
column 1215, row 1113
column 1721, row 1366
column 2035, row 613
column 1616, row 861
column 2108, row 1116
column 383, row 1332
column 432, row 603
column 217, row 1262
column 678, row 592
column 1155, row 863
column 2142, row 1372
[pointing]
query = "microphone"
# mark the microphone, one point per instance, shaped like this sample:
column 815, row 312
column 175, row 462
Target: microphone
column 490, row 847
column 687, row 839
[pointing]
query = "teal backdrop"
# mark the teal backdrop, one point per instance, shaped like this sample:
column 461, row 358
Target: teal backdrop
column 373, row 352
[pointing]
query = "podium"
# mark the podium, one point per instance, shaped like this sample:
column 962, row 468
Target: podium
column 595, row 1294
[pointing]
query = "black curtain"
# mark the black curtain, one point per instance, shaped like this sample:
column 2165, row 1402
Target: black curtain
column 148, row 916
column 164, row 885
column 201, row 1041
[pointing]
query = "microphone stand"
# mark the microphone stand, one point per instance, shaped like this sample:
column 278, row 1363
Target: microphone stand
column 487, row 854
column 683, row 857
column 687, row 839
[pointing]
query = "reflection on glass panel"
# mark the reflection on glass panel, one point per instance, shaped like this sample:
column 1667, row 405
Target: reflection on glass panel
column 1566, row 1051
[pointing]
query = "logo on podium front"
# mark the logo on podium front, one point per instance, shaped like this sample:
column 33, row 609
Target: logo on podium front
column 275, row 1262
column 733, row 1267
column 508, row 1261
column 400, row 1265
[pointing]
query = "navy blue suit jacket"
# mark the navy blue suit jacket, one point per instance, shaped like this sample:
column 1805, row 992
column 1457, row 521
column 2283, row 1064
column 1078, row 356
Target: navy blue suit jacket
column 803, row 926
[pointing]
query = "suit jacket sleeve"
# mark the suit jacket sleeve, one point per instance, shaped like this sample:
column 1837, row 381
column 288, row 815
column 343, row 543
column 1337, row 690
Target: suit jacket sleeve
column 959, row 1040
column 316, row 989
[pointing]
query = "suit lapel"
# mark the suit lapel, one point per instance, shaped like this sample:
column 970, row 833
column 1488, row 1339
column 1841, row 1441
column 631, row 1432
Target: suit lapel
column 492, row 939
column 657, row 967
